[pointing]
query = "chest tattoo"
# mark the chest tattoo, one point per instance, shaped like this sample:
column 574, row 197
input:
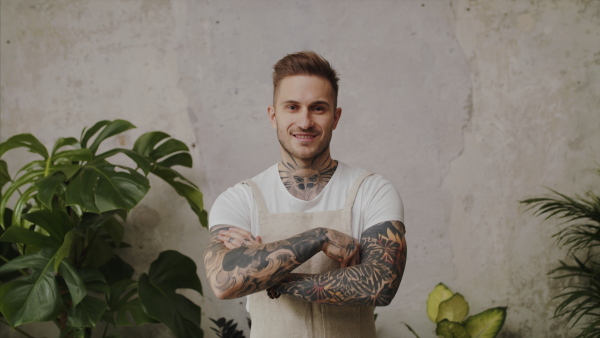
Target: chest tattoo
column 306, row 183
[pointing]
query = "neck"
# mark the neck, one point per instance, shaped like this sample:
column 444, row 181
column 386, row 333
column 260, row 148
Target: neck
column 305, row 179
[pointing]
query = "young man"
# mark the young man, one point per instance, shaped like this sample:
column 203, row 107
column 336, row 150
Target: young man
column 289, row 237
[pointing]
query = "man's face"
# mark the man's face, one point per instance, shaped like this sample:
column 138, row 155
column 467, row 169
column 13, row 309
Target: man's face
column 304, row 115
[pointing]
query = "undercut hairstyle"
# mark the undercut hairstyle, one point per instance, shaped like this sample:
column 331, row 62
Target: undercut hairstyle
column 305, row 63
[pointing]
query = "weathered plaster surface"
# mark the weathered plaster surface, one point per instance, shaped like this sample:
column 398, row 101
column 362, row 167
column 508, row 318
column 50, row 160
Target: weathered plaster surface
column 466, row 106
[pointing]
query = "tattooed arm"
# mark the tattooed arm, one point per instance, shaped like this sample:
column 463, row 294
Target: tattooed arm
column 245, row 266
column 372, row 282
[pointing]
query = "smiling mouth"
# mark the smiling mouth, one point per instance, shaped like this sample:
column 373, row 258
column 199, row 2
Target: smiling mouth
column 304, row 136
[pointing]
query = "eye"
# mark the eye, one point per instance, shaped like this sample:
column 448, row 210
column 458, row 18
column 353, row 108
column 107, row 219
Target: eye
column 319, row 109
column 291, row 107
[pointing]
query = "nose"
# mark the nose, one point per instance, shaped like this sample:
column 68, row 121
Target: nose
column 305, row 120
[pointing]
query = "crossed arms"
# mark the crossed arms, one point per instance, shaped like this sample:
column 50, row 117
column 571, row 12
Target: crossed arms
column 237, row 264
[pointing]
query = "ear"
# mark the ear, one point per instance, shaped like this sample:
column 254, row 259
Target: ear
column 272, row 118
column 336, row 117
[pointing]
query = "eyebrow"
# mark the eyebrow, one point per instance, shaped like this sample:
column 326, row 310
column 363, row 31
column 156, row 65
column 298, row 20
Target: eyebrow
column 318, row 102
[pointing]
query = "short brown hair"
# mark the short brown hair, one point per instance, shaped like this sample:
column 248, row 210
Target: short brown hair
column 305, row 63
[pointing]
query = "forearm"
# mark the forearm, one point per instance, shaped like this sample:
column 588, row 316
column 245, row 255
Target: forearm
column 248, row 269
column 362, row 284
column 373, row 282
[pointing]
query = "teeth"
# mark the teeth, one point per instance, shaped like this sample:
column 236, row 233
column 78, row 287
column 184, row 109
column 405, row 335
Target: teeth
column 304, row 136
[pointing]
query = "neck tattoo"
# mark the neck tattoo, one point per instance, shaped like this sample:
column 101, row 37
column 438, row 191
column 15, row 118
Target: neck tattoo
column 306, row 183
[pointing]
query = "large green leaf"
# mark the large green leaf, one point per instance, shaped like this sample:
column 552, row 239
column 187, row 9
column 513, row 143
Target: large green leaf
column 168, row 147
column 4, row 175
column 17, row 234
column 87, row 313
column 86, row 134
column 47, row 187
column 171, row 271
column 454, row 309
column 24, row 140
column 56, row 222
column 34, row 298
column 99, row 253
column 94, row 280
column 182, row 159
column 110, row 129
column 65, row 141
column 141, row 161
column 65, row 248
column 124, row 305
column 146, row 142
column 116, row 270
column 75, row 284
column 439, row 294
column 74, row 155
column 186, row 189
column 448, row 329
column 20, row 182
column 486, row 324
column 99, row 187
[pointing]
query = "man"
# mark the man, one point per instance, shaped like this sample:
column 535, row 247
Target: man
column 294, row 230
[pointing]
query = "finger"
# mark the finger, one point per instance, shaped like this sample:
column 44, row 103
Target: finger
column 259, row 240
column 244, row 233
column 244, row 236
column 230, row 242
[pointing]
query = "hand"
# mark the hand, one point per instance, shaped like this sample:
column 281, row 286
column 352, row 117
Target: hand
column 342, row 248
column 274, row 291
column 235, row 237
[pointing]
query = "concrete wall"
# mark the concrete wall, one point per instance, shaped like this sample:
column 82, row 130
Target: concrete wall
column 466, row 106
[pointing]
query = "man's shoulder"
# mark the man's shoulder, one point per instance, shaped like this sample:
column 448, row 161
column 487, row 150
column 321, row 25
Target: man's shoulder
column 350, row 174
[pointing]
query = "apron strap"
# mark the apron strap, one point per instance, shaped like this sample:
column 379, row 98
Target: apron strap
column 354, row 190
column 258, row 198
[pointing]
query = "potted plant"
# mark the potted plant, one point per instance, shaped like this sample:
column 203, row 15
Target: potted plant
column 580, row 271
column 62, row 220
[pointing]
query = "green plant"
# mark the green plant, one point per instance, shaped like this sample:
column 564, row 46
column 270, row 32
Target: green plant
column 60, row 238
column 227, row 328
column 581, row 235
column 449, row 310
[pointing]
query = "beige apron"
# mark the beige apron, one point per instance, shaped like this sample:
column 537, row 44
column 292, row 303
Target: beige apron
column 289, row 317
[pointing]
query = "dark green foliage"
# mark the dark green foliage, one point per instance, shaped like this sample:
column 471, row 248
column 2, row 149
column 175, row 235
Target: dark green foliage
column 580, row 301
column 62, row 221
column 227, row 329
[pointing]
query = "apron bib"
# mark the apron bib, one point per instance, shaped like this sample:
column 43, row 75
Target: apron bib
column 289, row 317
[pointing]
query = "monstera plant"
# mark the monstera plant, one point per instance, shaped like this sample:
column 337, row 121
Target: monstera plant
column 62, row 221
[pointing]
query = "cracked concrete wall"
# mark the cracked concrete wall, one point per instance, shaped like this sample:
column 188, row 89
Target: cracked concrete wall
column 466, row 106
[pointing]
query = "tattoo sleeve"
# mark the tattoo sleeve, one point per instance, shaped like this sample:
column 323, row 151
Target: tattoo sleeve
column 248, row 269
column 372, row 282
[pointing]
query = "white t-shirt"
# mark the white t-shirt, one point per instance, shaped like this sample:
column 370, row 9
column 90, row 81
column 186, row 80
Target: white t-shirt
column 377, row 200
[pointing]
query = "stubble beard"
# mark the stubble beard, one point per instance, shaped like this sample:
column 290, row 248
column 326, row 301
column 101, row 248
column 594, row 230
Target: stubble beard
column 323, row 146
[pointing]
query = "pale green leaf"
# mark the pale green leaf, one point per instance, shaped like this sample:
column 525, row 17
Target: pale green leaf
column 439, row 294
column 448, row 329
column 486, row 324
column 454, row 309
